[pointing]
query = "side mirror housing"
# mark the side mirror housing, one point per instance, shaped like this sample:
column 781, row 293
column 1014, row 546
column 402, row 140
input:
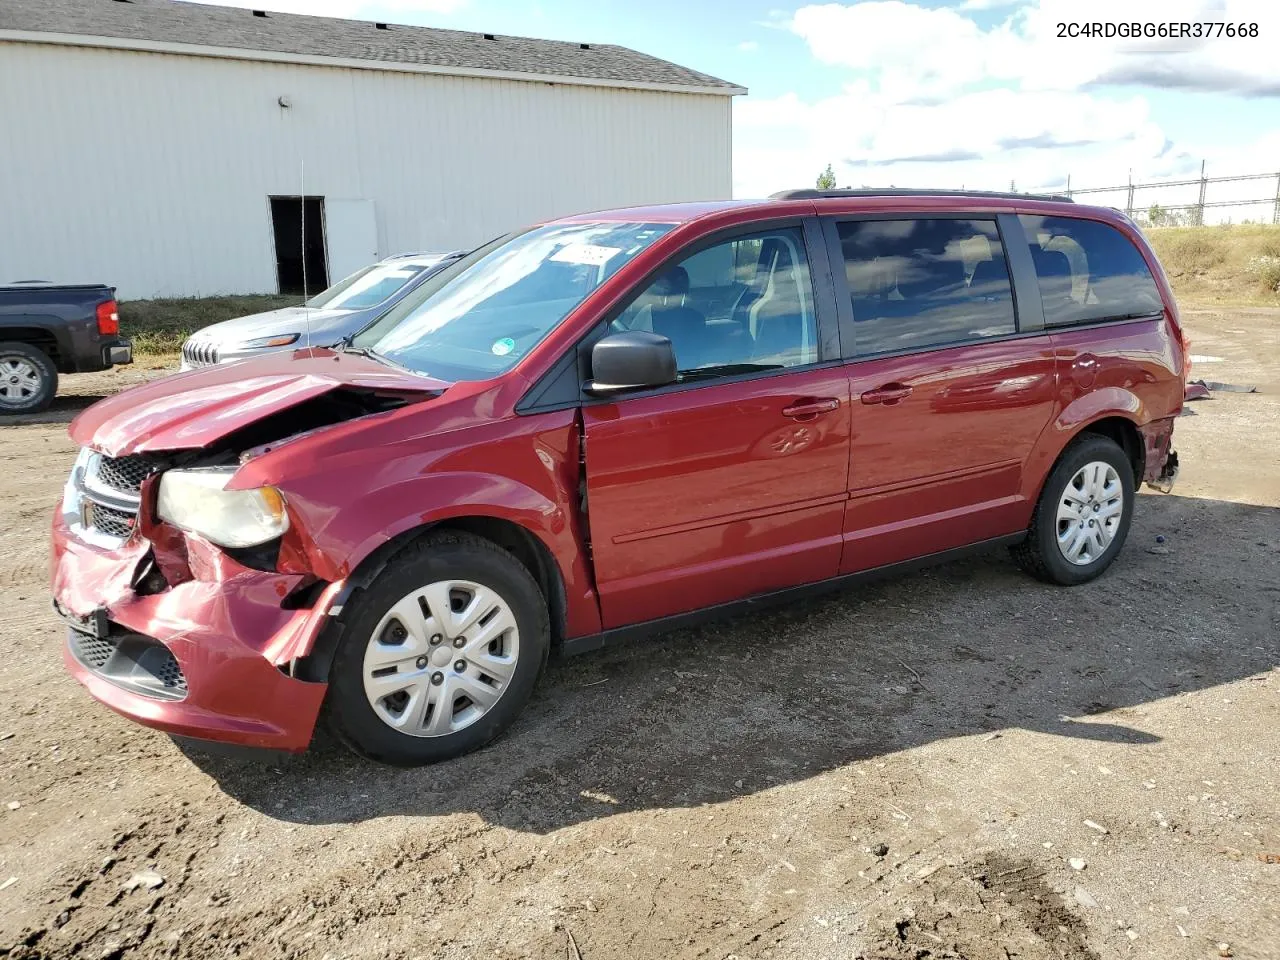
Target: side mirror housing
column 631, row 360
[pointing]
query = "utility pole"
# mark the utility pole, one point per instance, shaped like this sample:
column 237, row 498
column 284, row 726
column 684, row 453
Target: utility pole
column 1200, row 204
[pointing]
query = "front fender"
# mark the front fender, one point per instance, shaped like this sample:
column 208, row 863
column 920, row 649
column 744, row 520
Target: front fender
column 338, row 546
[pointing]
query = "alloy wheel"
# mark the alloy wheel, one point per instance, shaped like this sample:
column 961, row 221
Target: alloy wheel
column 19, row 381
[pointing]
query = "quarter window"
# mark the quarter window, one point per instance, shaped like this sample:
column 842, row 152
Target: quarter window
column 742, row 305
column 1088, row 271
column 924, row 283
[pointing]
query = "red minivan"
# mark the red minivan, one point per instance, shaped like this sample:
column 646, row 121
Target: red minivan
column 605, row 425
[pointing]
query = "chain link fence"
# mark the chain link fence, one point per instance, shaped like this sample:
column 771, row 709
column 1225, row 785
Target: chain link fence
column 1235, row 199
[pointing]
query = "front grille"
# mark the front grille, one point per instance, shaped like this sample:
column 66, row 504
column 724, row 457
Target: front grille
column 94, row 651
column 170, row 674
column 132, row 661
column 125, row 473
column 199, row 354
column 114, row 523
column 109, row 493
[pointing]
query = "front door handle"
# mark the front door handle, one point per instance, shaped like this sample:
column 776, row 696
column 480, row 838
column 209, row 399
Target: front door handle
column 808, row 409
column 889, row 394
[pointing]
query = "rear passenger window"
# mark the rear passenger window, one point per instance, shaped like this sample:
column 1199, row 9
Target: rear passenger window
column 738, row 306
column 925, row 283
column 1088, row 271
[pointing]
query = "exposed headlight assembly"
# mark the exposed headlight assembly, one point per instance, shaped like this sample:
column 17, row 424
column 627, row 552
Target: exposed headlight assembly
column 196, row 501
column 279, row 340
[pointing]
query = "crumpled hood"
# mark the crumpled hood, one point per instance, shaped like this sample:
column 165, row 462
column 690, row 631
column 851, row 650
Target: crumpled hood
column 326, row 327
column 188, row 411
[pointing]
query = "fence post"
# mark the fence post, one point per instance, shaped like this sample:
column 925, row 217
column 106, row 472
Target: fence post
column 1275, row 213
column 1128, row 207
column 1200, row 203
column 1069, row 186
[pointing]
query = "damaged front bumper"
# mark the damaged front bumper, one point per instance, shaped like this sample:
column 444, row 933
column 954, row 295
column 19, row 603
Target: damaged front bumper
column 214, row 657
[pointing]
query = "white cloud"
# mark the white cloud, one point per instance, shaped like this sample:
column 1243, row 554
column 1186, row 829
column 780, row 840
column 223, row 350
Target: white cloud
column 749, row 46
column 989, row 4
column 357, row 9
column 980, row 139
column 935, row 99
column 913, row 51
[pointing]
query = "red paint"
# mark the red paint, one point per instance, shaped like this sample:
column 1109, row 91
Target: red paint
column 695, row 496
column 229, row 635
column 943, row 466
column 706, row 495
column 191, row 410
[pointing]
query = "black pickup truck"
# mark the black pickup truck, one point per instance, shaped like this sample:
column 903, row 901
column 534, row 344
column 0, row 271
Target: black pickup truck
column 47, row 329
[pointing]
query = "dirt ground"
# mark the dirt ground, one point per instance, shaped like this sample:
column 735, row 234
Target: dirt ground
column 962, row 763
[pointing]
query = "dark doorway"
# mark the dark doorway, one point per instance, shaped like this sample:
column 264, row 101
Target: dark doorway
column 298, row 225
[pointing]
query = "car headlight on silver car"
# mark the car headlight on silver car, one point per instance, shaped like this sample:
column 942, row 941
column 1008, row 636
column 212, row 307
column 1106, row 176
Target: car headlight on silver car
column 197, row 501
column 279, row 340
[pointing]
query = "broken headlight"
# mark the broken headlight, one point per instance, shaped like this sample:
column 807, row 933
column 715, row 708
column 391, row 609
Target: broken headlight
column 197, row 501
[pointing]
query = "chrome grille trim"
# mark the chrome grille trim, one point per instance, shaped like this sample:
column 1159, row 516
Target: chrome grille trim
column 199, row 353
column 103, row 495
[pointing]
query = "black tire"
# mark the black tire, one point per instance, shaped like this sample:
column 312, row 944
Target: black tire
column 15, row 354
column 434, row 557
column 1039, row 554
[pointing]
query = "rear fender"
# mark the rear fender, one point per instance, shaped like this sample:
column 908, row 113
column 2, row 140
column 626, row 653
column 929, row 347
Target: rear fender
column 1067, row 425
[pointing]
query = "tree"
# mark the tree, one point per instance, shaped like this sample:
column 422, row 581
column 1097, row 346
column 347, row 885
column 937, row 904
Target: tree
column 827, row 179
column 1157, row 216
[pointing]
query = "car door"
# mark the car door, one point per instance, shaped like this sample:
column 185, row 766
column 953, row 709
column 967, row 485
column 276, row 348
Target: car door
column 732, row 481
column 950, row 383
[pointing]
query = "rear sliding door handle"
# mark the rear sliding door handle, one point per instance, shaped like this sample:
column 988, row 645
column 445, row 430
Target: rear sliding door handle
column 808, row 409
column 890, row 393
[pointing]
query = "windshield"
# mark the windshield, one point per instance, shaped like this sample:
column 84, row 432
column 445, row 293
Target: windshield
column 368, row 287
column 477, row 318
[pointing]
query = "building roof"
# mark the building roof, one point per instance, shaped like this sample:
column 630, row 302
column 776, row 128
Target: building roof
column 143, row 24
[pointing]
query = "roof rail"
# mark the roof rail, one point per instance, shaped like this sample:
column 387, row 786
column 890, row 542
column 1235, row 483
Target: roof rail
column 810, row 193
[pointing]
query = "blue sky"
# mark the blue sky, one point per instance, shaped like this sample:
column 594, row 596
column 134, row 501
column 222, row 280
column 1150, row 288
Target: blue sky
column 973, row 93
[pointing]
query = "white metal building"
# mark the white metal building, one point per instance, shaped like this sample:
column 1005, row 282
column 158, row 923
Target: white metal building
column 166, row 147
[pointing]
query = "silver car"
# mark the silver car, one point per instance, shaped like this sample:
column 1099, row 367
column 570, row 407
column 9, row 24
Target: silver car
column 323, row 321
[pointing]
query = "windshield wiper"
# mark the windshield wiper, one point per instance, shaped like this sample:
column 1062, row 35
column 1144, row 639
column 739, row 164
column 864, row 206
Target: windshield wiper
column 374, row 355
column 727, row 370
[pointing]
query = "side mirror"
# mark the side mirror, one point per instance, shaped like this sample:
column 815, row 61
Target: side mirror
column 632, row 360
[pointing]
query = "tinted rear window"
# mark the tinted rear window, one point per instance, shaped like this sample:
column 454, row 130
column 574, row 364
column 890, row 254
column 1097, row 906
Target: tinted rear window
column 1088, row 271
column 924, row 283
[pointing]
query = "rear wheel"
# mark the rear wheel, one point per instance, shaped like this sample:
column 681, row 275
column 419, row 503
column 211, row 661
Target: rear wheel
column 1083, row 515
column 440, row 654
column 28, row 379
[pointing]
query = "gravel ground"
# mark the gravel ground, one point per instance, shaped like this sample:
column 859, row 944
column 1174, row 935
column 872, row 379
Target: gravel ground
column 962, row 763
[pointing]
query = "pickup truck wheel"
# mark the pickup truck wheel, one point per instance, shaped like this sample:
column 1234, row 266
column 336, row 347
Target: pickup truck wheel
column 439, row 654
column 1083, row 515
column 28, row 380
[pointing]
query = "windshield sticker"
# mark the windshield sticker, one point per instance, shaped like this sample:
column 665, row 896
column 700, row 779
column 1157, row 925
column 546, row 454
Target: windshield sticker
column 502, row 347
column 585, row 253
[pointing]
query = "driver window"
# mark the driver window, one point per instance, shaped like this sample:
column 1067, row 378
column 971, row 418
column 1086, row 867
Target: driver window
column 740, row 305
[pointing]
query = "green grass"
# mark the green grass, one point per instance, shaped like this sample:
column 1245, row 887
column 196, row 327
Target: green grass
column 1229, row 264
column 158, row 327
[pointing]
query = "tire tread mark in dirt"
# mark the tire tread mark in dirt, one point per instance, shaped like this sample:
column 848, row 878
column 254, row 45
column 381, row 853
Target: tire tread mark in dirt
column 972, row 912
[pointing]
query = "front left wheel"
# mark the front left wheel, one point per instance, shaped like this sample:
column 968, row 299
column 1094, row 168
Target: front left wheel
column 440, row 653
